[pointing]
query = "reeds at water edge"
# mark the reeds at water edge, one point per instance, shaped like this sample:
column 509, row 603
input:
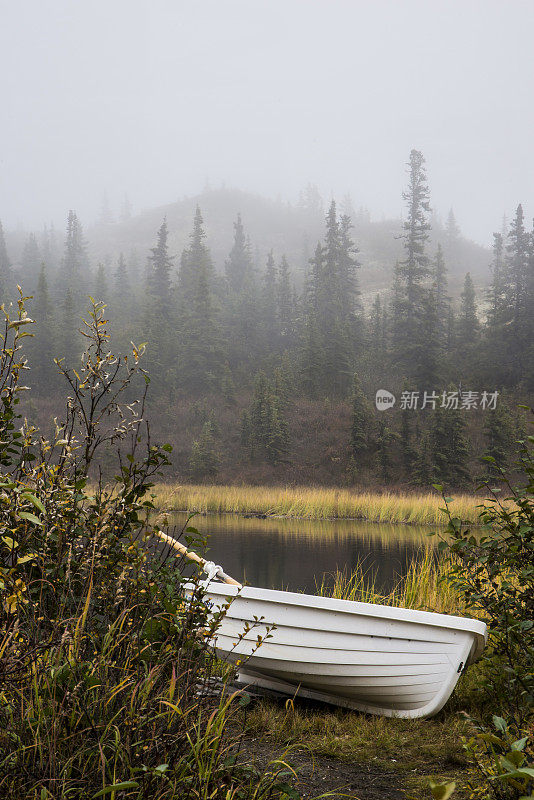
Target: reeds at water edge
column 424, row 586
column 315, row 503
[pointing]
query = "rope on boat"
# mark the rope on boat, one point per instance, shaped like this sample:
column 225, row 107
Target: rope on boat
column 209, row 567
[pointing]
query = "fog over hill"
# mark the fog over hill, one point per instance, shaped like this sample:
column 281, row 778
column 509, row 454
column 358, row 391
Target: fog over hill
column 290, row 229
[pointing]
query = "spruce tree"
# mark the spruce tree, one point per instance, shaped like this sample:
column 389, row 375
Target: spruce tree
column 335, row 334
column 312, row 357
column 201, row 356
column 442, row 299
column 496, row 295
column 239, row 263
column 467, row 326
column 518, row 341
column 377, row 328
column 284, row 382
column 407, row 448
column 286, row 305
column 159, row 322
column 492, row 352
column 195, row 263
column 42, row 347
column 204, row 460
column 241, row 304
column 159, row 268
column 440, row 443
column 311, row 202
column 269, row 305
column 264, row 429
column 72, row 274
column 70, row 340
column 125, row 314
column 449, row 447
column 106, row 216
column 360, row 422
column 277, row 447
column 427, row 370
column 422, row 470
column 412, row 272
column 451, row 330
column 452, row 237
column 349, row 290
column 312, row 345
column 499, row 433
column 385, row 439
column 415, row 268
column 459, row 450
column 121, row 285
column 518, row 257
column 331, row 327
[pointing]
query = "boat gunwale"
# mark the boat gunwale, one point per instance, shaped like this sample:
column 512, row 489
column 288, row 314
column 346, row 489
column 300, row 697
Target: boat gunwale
column 395, row 613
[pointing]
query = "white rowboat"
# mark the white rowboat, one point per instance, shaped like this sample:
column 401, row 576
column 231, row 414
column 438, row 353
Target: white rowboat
column 373, row 658
column 379, row 659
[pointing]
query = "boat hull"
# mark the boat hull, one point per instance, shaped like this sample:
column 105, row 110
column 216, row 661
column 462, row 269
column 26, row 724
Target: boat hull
column 377, row 659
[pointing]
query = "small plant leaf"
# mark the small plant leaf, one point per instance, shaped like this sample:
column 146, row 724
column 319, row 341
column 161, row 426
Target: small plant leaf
column 30, row 517
column 35, row 500
column 116, row 788
column 29, row 557
column 11, row 543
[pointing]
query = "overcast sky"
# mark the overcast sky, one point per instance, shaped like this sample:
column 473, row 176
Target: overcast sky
column 154, row 97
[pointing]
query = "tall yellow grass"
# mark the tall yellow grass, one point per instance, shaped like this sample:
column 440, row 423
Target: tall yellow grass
column 423, row 587
column 314, row 503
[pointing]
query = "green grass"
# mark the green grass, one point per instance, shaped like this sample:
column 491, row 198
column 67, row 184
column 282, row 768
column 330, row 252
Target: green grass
column 314, row 503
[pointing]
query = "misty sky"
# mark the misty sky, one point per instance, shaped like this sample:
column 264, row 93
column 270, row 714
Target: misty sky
column 155, row 97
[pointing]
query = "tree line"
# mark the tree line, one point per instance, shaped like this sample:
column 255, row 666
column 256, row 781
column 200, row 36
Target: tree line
column 247, row 334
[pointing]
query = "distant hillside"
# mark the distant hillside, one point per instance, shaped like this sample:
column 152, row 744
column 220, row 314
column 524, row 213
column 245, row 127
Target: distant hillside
column 292, row 230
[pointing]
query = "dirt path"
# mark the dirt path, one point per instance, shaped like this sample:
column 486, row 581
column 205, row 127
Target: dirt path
column 320, row 774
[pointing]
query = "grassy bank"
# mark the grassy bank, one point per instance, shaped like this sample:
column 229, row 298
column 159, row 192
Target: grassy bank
column 313, row 503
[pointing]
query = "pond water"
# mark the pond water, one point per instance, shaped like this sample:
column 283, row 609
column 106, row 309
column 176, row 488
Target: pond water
column 295, row 554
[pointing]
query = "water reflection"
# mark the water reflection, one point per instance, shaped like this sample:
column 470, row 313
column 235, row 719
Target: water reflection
column 294, row 554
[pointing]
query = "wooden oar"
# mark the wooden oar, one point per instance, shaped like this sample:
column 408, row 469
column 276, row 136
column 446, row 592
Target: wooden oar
column 193, row 556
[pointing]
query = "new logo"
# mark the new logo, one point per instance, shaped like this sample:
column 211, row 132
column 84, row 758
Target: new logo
column 384, row 400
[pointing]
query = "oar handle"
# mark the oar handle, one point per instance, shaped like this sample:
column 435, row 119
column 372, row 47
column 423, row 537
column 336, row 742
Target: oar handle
column 179, row 547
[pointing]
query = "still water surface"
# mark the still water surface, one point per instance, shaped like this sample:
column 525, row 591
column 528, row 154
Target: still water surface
column 295, row 554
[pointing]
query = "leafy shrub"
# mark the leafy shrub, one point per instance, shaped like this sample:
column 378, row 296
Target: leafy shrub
column 104, row 663
column 494, row 572
column 504, row 765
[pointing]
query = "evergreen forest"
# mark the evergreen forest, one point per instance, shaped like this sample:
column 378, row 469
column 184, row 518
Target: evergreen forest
column 269, row 328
